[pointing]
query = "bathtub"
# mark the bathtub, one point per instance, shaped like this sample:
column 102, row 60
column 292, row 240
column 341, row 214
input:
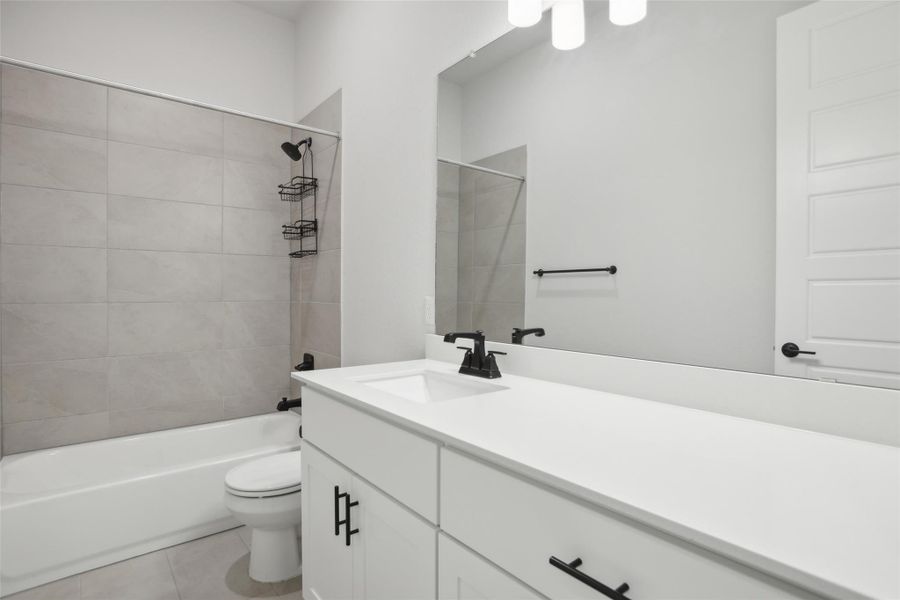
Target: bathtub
column 70, row 509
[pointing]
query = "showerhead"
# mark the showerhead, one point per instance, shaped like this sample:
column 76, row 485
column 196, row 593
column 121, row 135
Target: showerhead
column 293, row 150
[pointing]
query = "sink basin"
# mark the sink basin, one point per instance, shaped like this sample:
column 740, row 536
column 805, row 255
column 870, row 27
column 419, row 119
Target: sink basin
column 429, row 386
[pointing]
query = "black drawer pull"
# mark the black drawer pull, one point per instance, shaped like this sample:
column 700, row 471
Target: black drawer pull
column 345, row 496
column 571, row 568
column 347, row 506
column 337, row 510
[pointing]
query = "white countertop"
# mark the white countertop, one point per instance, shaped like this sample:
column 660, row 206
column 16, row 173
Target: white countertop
column 820, row 511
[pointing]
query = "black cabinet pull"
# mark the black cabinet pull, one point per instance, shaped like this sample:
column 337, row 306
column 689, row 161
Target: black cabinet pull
column 571, row 568
column 791, row 350
column 337, row 510
column 345, row 496
column 347, row 506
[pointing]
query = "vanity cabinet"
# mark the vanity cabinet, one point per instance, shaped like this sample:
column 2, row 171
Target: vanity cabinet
column 359, row 543
column 373, row 528
column 519, row 526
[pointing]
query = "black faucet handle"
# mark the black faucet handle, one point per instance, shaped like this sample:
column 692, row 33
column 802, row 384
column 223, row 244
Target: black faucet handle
column 493, row 352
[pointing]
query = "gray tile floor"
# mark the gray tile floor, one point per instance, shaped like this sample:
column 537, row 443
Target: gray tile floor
column 211, row 568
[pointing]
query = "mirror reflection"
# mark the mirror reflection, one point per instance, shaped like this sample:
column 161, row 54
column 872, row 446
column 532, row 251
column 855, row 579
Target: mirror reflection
column 719, row 185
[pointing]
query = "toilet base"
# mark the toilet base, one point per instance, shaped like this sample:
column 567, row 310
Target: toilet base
column 274, row 555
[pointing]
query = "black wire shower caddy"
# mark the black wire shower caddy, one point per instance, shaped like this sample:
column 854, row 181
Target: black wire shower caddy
column 303, row 190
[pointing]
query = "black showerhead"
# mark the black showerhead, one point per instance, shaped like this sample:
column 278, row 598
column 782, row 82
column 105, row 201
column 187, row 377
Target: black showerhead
column 293, row 150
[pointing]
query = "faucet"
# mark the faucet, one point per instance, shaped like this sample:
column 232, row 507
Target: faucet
column 519, row 334
column 476, row 362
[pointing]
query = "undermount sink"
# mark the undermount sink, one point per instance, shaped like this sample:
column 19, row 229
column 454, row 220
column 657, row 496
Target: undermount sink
column 429, row 386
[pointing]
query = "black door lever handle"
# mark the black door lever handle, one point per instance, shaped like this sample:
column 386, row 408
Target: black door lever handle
column 791, row 350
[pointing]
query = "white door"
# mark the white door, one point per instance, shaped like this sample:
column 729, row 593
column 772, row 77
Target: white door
column 463, row 575
column 394, row 552
column 327, row 560
column 838, row 192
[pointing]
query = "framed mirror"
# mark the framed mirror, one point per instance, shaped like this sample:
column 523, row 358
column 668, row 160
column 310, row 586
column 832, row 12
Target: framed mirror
column 716, row 185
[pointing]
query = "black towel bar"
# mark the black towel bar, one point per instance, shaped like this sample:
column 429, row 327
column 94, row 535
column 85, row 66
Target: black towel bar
column 610, row 269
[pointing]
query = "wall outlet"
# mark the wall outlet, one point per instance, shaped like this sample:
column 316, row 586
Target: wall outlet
column 429, row 311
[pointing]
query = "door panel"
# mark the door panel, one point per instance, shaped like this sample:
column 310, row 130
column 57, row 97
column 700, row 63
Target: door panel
column 327, row 560
column 466, row 576
column 394, row 553
column 838, row 198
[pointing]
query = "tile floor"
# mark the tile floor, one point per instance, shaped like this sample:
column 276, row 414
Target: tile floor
column 211, row 568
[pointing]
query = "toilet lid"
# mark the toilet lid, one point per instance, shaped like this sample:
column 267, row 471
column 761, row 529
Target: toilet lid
column 270, row 475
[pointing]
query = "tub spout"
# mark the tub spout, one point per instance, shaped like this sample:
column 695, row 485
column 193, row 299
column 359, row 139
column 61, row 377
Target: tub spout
column 286, row 404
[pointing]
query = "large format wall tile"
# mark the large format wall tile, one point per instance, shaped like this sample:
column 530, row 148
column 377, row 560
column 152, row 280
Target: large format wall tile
column 256, row 402
column 54, row 389
column 318, row 277
column 320, row 324
column 500, row 246
column 59, row 431
column 247, row 369
column 164, row 380
column 52, row 274
column 249, row 278
column 42, row 332
column 147, row 276
column 501, row 206
column 32, row 215
column 249, row 324
column 157, row 327
column 46, row 101
column 139, row 119
column 164, row 174
column 254, row 185
column 502, row 283
column 143, row 420
column 255, row 141
column 144, row 224
column 247, row 231
column 50, row 159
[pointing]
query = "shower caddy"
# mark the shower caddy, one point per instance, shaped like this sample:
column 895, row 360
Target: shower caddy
column 303, row 190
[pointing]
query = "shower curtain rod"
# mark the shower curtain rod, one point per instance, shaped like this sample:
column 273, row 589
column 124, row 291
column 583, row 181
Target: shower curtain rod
column 447, row 161
column 128, row 88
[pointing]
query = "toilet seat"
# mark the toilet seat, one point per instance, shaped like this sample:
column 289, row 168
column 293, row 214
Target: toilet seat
column 266, row 477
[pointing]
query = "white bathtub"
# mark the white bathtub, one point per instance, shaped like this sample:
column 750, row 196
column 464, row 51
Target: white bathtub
column 70, row 509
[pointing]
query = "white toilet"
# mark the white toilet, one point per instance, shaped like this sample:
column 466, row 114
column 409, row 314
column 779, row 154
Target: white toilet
column 264, row 494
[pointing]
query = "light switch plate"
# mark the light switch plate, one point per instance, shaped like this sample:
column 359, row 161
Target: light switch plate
column 429, row 311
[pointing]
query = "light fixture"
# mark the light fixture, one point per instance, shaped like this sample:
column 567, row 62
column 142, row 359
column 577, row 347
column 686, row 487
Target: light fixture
column 524, row 13
column 567, row 29
column 627, row 12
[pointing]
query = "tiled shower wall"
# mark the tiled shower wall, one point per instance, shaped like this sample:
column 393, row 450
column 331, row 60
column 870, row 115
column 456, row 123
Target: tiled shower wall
column 488, row 237
column 143, row 279
column 316, row 280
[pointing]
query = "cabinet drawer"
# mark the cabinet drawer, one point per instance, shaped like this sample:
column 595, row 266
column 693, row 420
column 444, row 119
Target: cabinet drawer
column 401, row 463
column 519, row 526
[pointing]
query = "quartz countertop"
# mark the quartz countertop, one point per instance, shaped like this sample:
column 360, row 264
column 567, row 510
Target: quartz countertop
column 817, row 510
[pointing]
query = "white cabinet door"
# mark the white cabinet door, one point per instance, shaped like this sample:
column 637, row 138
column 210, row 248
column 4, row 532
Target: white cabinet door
column 838, row 192
column 394, row 552
column 463, row 575
column 327, row 560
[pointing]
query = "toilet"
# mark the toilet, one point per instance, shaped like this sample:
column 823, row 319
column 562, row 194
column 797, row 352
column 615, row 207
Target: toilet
column 264, row 494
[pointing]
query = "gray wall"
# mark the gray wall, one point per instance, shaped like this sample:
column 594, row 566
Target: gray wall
column 316, row 280
column 143, row 280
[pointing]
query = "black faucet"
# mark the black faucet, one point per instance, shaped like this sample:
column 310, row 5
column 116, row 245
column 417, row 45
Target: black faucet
column 476, row 362
column 308, row 364
column 519, row 334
